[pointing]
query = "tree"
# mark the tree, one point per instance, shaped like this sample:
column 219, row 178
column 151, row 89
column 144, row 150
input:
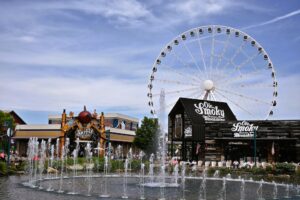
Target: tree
column 6, row 121
column 145, row 138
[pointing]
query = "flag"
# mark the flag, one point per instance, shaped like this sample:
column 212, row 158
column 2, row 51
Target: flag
column 198, row 148
column 273, row 149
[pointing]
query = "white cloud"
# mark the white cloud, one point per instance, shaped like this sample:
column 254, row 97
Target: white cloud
column 194, row 9
column 274, row 20
column 56, row 93
column 28, row 39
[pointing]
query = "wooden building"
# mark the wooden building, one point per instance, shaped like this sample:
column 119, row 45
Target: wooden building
column 208, row 130
column 115, row 128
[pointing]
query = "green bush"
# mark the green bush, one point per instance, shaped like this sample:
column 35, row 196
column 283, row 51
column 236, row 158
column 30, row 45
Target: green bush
column 225, row 171
column 284, row 168
column 258, row 171
column 211, row 171
column 269, row 169
column 3, row 168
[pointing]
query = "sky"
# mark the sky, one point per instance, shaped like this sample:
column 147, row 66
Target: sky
column 65, row 54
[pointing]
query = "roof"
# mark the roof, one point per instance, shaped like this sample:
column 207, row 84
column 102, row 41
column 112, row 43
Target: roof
column 106, row 115
column 121, row 116
column 38, row 127
column 39, row 131
column 121, row 131
column 16, row 117
column 199, row 110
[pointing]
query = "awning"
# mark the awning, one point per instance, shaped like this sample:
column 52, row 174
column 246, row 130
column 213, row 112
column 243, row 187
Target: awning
column 258, row 139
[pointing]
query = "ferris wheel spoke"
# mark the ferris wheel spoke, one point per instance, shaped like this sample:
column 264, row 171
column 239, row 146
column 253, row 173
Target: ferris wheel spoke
column 177, row 91
column 245, row 75
column 194, row 78
column 260, row 85
column 244, row 96
column 182, row 62
column 194, row 95
column 225, row 46
column 176, row 82
column 234, row 103
column 212, row 52
column 193, row 58
column 202, row 54
column 237, row 52
column 238, row 67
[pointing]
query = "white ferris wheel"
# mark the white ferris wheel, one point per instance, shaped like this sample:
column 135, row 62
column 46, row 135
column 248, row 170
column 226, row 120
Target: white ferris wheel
column 216, row 63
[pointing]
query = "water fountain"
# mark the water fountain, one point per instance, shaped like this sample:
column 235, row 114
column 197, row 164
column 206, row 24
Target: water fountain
column 298, row 191
column 151, row 168
column 119, row 156
column 138, row 188
column 129, row 157
column 287, row 191
column 42, row 161
column 183, row 180
column 202, row 191
column 50, row 171
column 124, row 196
column 223, row 190
column 275, row 190
column 75, row 154
column 57, row 155
column 88, row 167
column 242, row 189
column 62, row 159
column 106, row 167
column 260, row 190
column 175, row 174
column 142, row 176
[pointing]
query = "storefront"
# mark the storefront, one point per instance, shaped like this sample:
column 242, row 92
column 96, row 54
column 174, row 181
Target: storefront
column 98, row 130
column 208, row 130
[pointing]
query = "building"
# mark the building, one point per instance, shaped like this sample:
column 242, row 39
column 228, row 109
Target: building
column 208, row 130
column 118, row 129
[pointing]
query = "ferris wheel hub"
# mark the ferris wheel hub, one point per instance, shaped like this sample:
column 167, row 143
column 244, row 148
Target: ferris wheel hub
column 208, row 85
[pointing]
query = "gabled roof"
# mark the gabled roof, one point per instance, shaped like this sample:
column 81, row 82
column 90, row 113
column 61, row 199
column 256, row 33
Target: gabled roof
column 17, row 118
column 199, row 110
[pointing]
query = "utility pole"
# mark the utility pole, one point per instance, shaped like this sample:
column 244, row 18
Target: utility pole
column 254, row 141
column 9, row 134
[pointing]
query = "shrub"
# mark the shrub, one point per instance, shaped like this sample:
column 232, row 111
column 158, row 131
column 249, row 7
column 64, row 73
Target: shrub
column 258, row 171
column 284, row 168
column 225, row 171
column 3, row 168
column 211, row 171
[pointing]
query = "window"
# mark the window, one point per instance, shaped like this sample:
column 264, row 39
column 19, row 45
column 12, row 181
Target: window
column 178, row 126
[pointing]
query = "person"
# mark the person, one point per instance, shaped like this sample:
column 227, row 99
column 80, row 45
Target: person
column 235, row 164
column 2, row 156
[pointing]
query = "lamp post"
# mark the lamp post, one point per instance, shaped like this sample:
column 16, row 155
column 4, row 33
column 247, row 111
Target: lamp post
column 9, row 133
column 254, row 141
column 107, row 134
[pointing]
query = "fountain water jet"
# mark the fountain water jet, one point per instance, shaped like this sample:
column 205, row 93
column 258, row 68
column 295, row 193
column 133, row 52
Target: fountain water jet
column 124, row 196
column 61, row 170
column 183, row 180
column 242, row 189
column 75, row 154
column 51, row 165
column 89, row 167
column 142, row 176
column 105, row 193
column 42, row 161
column 202, row 191
column 275, row 190
column 260, row 190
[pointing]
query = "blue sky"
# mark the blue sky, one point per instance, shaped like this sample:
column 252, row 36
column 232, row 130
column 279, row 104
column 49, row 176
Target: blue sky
column 66, row 54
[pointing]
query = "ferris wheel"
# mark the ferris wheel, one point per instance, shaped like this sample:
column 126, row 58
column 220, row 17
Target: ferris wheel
column 216, row 63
